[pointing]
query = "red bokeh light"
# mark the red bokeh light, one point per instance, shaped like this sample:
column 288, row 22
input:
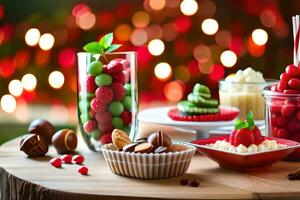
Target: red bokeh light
column 80, row 9
column 29, row 96
column 42, row 57
column 1, row 11
column 182, row 24
column 255, row 50
column 193, row 67
column 237, row 46
column 21, row 58
column 105, row 20
column 181, row 48
column 67, row 57
column 6, row 67
column 217, row 72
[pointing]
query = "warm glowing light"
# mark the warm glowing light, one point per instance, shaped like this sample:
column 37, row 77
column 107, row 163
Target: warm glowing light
column 228, row 58
column 46, row 41
column 174, row 91
column 140, row 19
column 86, row 21
column 163, row 71
column 32, row 37
column 8, row 103
column 156, row 47
column 138, row 37
column 259, row 37
column 206, row 68
column 157, row 4
column 122, row 32
column 268, row 18
column 80, row 9
column 210, row 26
column 56, row 79
column 189, row 7
column 29, row 82
column 202, row 53
column 15, row 87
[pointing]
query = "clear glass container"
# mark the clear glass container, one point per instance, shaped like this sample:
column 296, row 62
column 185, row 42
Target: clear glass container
column 283, row 117
column 107, row 96
column 245, row 96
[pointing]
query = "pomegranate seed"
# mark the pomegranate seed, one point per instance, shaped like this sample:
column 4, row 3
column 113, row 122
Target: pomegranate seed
column 83, row 170
column 66, row 158
column 78, row 159
column 56, row 162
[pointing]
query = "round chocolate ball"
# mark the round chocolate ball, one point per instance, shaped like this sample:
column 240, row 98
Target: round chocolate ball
column 43, row 128
column 159, row 138
column 33, row 145
column 64, row 141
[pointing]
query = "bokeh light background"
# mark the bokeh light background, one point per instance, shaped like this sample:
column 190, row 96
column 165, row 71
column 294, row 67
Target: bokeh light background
column 179, row 42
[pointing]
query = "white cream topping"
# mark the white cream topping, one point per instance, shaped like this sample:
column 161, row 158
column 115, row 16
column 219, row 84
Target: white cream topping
column 264, row 146
column 248, row 75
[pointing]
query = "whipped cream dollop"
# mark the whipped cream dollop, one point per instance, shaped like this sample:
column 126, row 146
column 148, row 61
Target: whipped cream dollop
column 266, row 145
column 248, row 75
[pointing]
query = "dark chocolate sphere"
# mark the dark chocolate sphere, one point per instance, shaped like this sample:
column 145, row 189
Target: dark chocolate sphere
column 43, row 128
column 64, row 141
column 159, row 138
column 33, row 145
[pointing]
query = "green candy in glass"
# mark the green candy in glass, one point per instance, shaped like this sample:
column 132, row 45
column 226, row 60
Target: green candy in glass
column 115, row 108
column 117, row 122
column 127, row 102
column 95, row 68
column 103, row 80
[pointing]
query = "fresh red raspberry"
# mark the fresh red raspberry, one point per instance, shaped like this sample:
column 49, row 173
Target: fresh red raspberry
column 90, row 84
column 103, row 118
column 126, row 117
column 104, row 94
column 288, row 110
column 90, row 125
column 282, row 121
column 97, row 106
column 105, row 127
column 114, row 68
column 282, row 133
column 123, row 61
column 83, row 170
column 106, row 138
column 293, row 126
column 119, row 91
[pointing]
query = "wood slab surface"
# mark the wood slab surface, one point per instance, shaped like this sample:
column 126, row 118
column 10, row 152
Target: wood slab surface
column 24, row 178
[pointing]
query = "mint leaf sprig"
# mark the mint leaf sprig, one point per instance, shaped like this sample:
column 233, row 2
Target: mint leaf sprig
column 104, row 45
column 248, row 123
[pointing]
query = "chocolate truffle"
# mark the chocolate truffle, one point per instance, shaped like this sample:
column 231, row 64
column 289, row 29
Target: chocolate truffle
column 160, row 139
column 43, row 128
column 64, row 141
column 33, row 145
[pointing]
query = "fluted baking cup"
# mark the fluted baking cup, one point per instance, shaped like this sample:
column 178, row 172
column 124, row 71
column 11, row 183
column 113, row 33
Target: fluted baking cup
column 149, row 166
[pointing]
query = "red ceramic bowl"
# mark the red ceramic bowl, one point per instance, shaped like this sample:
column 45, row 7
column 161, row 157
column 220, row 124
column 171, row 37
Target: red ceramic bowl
column 244, row 161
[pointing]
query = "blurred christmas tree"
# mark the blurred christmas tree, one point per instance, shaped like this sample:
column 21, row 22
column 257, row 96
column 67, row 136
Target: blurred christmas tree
column 178, row 43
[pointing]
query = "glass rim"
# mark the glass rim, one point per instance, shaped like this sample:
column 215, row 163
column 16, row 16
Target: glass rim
column 268, row 81
column 267, row 92
column 111, row 53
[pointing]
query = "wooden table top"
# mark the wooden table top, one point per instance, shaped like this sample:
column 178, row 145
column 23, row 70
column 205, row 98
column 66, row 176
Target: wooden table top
column 36, row 177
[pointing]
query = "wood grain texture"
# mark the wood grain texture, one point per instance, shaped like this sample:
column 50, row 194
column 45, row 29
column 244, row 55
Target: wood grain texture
column 24, row 178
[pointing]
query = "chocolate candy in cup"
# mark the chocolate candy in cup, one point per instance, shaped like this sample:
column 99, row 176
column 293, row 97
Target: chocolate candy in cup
column 141, row 140
column 130, row 147
column 64, row 141
column 33, row 145
column 160, row 139
column 161, row 150
column 43, row 128
column 144, row 148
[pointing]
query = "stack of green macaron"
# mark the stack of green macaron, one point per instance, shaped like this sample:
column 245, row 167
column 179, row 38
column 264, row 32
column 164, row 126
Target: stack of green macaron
column 199, row 102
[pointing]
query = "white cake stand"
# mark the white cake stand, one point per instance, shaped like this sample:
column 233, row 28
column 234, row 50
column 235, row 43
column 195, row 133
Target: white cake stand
column 159, row 116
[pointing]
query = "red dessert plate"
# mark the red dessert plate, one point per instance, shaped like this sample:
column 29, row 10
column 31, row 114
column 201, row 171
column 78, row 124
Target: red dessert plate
column 246, row 161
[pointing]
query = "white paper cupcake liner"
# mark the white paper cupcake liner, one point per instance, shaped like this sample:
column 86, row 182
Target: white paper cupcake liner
column 149, row 166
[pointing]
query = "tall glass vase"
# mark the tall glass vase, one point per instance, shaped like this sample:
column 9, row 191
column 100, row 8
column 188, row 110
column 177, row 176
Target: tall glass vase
column 107, row 96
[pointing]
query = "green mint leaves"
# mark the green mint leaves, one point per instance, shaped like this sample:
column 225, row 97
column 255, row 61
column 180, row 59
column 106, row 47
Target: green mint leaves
column 103, row 46
column 248, row 123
